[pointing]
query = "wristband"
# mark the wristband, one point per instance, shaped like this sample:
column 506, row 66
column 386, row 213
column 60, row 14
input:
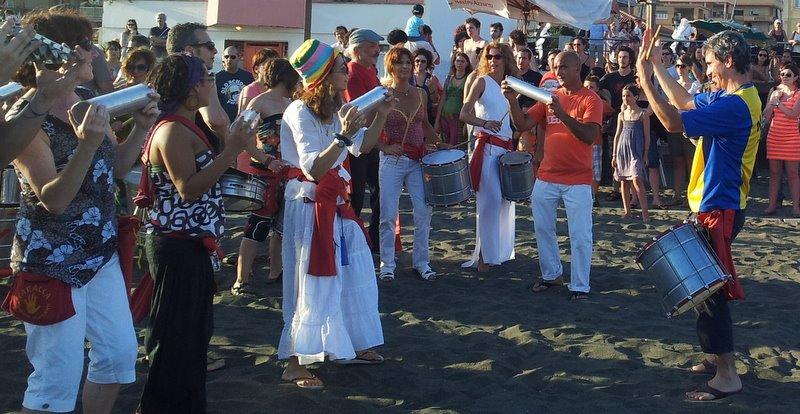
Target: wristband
column 347, row 141
column 483, row 125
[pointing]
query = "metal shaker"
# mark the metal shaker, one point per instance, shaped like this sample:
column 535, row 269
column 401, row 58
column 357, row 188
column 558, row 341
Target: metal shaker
column 10, row 90
column 529, row 90
column 369, row 100
column 121, row 102
column 48, row 52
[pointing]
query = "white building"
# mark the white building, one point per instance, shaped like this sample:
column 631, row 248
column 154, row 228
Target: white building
column 252, row 24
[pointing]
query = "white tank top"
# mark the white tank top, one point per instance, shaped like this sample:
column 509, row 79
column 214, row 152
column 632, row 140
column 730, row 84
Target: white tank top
column 493, row 106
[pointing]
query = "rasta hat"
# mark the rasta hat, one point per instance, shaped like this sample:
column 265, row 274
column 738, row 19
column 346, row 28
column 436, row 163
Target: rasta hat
column 313, row 60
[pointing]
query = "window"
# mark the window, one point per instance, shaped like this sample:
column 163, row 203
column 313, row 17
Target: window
column 739, row 12
column 797, row 4
column 662, row 15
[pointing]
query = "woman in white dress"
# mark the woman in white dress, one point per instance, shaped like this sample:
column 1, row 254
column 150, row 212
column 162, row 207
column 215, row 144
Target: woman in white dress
column 486, row 109
column 330, row 294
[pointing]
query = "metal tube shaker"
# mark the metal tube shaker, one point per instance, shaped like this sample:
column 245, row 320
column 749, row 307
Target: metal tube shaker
column 369, row 100
column 121, row 102
column 10, row 90
column 525, row 88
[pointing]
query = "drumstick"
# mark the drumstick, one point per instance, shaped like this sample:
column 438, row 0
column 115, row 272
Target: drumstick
column 652, row 43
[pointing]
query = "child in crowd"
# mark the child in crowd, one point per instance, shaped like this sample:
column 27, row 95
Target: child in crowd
column 631, row 143
column 414, row 23
column 593, row 83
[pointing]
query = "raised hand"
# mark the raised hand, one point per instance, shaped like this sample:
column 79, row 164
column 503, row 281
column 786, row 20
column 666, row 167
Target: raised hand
column 92, row 129
column 146, row 117
column 14, row 51
column 351, row 119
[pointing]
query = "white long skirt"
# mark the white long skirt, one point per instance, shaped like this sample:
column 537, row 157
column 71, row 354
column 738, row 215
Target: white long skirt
column 495, row 215
column 332, row 316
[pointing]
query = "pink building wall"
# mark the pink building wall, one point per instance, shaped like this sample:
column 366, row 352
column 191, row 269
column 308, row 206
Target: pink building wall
column 264, row 13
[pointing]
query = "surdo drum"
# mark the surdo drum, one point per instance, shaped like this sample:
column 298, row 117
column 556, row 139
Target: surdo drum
column 516, row 175
column 683, row 266
column 445, row 177
column 242, row 191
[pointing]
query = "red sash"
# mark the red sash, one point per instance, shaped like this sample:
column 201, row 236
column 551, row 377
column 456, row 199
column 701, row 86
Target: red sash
column 329, row 188
column 720, row 228
column 476, row 164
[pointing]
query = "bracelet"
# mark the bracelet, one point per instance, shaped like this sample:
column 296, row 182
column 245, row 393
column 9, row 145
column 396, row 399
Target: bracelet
column 483, row 125
column 347, row 141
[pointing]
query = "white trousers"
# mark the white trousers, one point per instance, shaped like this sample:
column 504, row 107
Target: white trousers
column 578, row 203
column 393, row 173
column 56, row 351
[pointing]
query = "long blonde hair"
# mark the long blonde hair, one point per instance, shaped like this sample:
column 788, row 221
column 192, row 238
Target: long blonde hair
column 323, row 100
column 510, row 67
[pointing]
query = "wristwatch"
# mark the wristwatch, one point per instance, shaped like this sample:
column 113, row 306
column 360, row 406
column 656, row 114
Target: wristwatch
column 342, row 141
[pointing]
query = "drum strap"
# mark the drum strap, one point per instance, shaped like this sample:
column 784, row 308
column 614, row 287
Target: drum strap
column 476, row 163
column 329, row 188
column 144, row 194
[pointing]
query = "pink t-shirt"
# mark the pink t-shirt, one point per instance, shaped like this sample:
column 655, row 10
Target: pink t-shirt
column 249, row 92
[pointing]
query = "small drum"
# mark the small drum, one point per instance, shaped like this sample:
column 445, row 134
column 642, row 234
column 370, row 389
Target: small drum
column 9, row 187
column 445, row 176
column 516, row 175
column 8, row 227
column 242, row 191
column 684, row 267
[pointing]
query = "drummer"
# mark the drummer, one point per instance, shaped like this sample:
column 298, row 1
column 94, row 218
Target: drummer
column 728, row 122
column 281, row 80
column 485, row 108
column 571, row 124
column 407, row 130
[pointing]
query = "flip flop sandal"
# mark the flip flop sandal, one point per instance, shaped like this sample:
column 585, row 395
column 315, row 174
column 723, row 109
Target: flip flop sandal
column 579, row 295
column 361, row 360
column 299, row 382
column 386, row 277
column 214, row 364
column 717, row 394
column 428, row 275
column 542, row 285
column 708, row 368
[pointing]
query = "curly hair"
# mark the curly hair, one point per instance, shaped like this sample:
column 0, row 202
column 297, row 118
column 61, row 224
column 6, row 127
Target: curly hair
column 61, row 26
column 263, row 55
column 510, row 67
column 170, row 79
column 730, row 44
column 182, row 35
column 324, row 100
column 428, row 56
column 393, row 58
column 134, row 56
column 280, row 71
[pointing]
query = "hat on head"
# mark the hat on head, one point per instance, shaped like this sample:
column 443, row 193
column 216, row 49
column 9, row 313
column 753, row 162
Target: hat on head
column 313, row 60
column 418, row 9
column 364, row 35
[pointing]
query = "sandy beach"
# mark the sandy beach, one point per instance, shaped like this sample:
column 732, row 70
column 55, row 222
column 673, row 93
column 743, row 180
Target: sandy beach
column 484, row 343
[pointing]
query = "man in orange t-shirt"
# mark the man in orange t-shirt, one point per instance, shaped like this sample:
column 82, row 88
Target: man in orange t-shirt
column 571, row 124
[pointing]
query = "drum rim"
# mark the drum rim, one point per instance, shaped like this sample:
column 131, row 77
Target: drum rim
column 462, row 157
column 717, row 285
column 657, row 238
column 239, row 197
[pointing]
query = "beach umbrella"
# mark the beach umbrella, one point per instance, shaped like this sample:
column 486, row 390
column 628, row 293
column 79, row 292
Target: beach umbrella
column 716, row 26
column 576, row 13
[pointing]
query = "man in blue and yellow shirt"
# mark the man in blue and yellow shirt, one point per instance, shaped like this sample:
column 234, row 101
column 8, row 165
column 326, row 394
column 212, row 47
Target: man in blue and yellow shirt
column 728, row 122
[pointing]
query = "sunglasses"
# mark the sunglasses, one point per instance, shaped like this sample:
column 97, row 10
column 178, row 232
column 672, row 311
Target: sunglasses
column 208, row 45
column 491, row 56
column 230, row 57
column 666, row 54
column 420, row 61
column 787, row 75
column 142, row 67
column 681, row 66
column 577, row 44
column 341, row 69
column 762, row 55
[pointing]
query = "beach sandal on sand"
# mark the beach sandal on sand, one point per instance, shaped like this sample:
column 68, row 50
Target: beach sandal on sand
column 386, row 276
column 214, row 364
column 708, row 368
column 311, row 382
column 368, row 357
column 428, row 275
column 242, row 289
column 578, row 295
column 717, row 394
column 541, row 285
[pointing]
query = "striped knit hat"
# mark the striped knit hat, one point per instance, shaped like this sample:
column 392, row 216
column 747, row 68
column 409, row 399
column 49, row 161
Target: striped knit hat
column 313, row 60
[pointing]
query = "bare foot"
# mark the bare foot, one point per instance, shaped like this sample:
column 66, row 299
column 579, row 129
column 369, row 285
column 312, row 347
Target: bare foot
column 716, row 389
column 625, row 214
column 301, row 377
column 706, row 367
column 645, row 218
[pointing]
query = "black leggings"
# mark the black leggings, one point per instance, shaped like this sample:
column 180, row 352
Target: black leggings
column 181, row 324
column 715, row 326
column 364, row 171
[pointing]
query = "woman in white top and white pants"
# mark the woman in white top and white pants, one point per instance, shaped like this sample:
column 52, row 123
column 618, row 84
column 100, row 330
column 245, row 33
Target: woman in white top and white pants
column 487, row 109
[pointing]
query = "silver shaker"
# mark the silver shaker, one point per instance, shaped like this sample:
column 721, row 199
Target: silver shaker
column 369, row 100
column 121, row 102
column 525, row 88
column 10, row 90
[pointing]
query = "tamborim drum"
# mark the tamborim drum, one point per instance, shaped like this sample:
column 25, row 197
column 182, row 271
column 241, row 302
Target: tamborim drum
column 9, row 187
column 241, row 191
column 516, row 175
column 445, row 176
column 684, row 268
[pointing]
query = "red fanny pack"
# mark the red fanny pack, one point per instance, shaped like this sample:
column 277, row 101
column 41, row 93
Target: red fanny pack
column 39, row 299
column 144, row 194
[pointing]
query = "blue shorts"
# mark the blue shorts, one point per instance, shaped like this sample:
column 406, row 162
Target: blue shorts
column 653, row 155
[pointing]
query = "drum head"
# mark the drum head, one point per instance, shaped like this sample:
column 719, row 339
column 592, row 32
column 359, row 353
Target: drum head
column 237, row 173
column 515, row 158
column 443, row 157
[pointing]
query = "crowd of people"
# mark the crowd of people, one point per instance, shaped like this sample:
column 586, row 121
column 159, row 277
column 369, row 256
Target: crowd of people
column 613, row 101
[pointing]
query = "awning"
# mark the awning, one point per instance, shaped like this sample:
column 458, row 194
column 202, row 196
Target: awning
column 272, row 13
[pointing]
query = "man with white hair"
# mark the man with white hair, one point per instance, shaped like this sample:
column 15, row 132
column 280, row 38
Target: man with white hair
column 158, row 36
column 364, row 49
column 231, row 80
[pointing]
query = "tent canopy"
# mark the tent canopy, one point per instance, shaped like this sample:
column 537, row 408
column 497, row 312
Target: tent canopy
column 576, row 13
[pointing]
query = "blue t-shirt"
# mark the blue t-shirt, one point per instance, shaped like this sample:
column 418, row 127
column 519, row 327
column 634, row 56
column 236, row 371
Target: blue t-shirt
column 729, row 130
column 413, row 25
